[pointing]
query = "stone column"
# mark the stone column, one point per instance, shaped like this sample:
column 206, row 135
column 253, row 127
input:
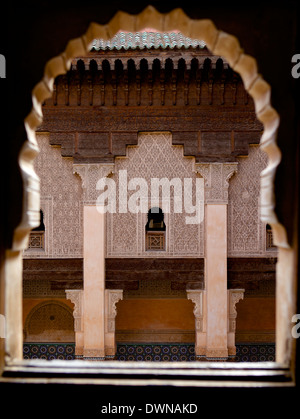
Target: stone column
column 93, row 282
column 234, row 296
column 216, row 280
column 198, row 297
column 94, row 233
column 76, row 297
column 216, row 177
column 111, row 299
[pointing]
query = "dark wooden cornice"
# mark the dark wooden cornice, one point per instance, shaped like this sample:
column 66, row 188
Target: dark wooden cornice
column 126, row 273
column 101, row 104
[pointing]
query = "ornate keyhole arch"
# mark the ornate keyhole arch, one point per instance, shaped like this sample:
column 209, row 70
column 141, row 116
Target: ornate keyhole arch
column 219, row 43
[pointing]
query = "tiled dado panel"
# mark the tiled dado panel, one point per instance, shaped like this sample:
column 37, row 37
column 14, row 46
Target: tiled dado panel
column 49, row 351
column 186, row 352
column 150, row 352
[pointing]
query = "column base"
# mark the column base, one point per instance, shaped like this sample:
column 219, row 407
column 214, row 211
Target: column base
column 110, row 357
column 232, row 351
column 217, row 353
column 110, row 351
column 94, row 353
column 200, row 351
column 204, row 358
column 78, row 351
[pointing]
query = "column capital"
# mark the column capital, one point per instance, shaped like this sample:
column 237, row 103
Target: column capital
column 196, row 296
column 216, row 180
column 76, row 297
column 111, row 299
column 234, row 296
column 90, row 173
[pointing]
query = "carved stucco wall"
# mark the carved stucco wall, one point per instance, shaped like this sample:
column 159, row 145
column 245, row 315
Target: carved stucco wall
column 246, row 232
column 155, row 156
column 61, row 203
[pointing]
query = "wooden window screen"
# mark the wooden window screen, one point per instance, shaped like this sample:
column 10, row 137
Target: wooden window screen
column 155, row 240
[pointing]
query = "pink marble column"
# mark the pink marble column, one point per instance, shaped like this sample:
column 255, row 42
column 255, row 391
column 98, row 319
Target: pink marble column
column 94, row 283
column 216, row 177
column 216, row 280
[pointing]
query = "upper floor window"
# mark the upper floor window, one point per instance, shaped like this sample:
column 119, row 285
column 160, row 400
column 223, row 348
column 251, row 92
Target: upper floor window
column 269, row 238
column 37, row 235
column 155, row 230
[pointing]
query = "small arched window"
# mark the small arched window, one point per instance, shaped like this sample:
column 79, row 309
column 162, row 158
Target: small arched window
column 37, row 235
column 155, row 229
column 269, row 238
column 41, row 227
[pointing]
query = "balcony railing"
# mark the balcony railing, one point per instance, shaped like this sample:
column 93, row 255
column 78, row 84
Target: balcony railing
column 36, row 240
column 155, row 240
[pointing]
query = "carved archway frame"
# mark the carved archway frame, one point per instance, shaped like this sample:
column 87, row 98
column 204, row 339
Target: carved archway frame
column 219, row 43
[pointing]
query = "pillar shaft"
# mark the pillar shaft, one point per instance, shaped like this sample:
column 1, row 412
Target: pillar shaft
column 94, row 282
column 216, row 280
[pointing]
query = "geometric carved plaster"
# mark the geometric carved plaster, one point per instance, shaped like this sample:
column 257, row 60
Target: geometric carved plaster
column 156, row 157
column 216, row 176
column 90, row 173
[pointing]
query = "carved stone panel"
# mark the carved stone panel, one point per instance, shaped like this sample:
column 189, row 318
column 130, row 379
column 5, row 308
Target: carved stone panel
column 246, row 232
column 216, row 180
column 76, row 297
column 61, row 203
column 234, row 296
column 155, row 157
